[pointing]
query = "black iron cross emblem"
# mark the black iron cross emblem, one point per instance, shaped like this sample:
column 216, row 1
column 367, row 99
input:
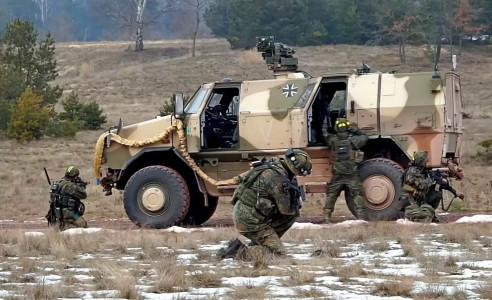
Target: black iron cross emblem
column 289, row 90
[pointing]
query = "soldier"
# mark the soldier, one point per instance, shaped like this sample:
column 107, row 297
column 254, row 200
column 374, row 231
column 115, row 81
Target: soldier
column 420, row 197
column 65, row 202
column 345, row 144
column 267, row 202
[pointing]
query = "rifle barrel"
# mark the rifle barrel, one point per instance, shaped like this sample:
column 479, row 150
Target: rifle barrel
column 47, row 176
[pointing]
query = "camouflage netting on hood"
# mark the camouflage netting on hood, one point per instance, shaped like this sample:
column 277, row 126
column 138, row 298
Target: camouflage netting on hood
column 182, row 147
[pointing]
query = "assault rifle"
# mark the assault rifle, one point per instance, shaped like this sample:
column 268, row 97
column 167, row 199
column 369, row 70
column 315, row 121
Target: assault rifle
column 437, row 177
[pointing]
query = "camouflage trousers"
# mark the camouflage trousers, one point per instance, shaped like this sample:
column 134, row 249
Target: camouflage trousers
column 349, row 183
column 261, row 230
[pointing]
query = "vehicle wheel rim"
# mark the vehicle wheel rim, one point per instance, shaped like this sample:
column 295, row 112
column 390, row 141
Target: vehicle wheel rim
column 153, row 199
column 379, row 192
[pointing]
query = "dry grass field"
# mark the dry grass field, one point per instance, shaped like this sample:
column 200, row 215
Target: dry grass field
column 379, row 260
column 134, row 86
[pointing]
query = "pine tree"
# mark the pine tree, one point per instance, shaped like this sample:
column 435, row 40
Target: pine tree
column 29, row 118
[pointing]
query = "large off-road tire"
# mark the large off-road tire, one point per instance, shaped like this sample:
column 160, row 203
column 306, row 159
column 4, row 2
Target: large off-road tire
column 156, row 197
column 198, row 212
column 382, row 181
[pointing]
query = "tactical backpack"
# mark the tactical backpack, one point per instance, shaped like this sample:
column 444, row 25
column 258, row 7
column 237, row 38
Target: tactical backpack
column 246, row 181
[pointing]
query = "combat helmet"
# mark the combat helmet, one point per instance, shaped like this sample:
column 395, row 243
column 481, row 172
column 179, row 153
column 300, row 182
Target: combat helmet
column 72, row 172
column 298, row 162
column 342, row 126
column 420, row 158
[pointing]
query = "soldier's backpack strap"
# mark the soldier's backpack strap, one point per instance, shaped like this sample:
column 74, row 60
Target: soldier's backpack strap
column 247, row 181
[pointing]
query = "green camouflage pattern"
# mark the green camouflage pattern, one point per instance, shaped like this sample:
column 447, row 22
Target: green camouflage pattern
column 344, row 169
column 416, row 183
column 423, row 213
column 265, row 211
column 71, row 194
column 350, row 183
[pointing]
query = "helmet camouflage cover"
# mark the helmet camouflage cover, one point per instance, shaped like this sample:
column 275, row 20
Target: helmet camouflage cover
column 298, row 161
column 72, row 171
column 420, row 158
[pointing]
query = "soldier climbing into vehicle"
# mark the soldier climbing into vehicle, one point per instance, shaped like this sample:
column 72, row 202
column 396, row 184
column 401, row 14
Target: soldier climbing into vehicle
column 422, row 190
column 267, row 203
column 346, row 144
column 66, row 207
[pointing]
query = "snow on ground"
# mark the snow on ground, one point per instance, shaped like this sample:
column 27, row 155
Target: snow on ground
column 434, row 263
column 475, row 219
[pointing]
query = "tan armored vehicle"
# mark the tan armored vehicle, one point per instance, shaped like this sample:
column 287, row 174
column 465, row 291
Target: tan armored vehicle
column 173, row 169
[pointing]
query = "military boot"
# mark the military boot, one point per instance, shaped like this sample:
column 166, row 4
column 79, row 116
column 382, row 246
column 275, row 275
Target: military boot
column 231, row 250
column 327, row 216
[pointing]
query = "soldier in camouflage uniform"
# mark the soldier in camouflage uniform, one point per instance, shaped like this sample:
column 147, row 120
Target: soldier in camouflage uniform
column 267, row 201
column 416, row 184
column 65, row 202
column 345, row 145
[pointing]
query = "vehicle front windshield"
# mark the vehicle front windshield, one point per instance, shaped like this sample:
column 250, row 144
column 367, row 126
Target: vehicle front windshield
column 194, row 104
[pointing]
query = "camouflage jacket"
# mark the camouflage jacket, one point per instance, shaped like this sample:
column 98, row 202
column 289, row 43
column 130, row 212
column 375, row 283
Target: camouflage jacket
column 345, row 163
column 415, row 180
column 268, row 193
column 68, row 187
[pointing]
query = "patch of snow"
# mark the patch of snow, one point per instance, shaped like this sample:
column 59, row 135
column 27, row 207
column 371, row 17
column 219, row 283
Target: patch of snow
column 6, row 221
column 351, row 223
column 83, row 277
column 484, row 264
column 186, row 230
column 76, row 231
column 200, row 293
column 400, row 270
column 79, row 270
column 301, row 256
column 408, row 222
column 475, row 219
column 297, row 225
column 185, row 259
column 254, row 281
column 128, row 258
column 34, row 233
column 85, row 256
column 49, row 279
column 134, row 249
column 211, row 247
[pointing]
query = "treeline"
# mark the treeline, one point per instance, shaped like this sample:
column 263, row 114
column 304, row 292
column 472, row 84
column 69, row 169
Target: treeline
column 314, row 22
column 95, row 20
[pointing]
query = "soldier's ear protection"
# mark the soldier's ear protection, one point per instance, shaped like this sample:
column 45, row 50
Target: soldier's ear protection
column 292, row 156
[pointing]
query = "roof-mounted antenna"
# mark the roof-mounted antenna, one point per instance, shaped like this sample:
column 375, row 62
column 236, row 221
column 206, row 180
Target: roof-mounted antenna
column 436, row 74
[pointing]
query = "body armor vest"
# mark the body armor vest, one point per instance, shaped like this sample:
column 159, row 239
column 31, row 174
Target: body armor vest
column 342, row 149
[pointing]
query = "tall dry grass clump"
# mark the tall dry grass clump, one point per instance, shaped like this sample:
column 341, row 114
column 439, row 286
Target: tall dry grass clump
column 170, row 276
column 248, row 292
column 124, row 282
column 391, row 288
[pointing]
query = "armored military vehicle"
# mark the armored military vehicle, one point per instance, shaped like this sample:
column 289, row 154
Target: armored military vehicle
column 174, row 168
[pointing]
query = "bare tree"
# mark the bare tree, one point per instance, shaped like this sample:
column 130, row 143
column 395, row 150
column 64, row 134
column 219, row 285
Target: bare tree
column 136, row 15
column 198, row 6
column 44, row 8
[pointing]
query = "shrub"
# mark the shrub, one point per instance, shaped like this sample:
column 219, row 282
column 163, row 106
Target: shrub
column 485, row 154
column 83, row 116
column 167, row 108
column 28, row 119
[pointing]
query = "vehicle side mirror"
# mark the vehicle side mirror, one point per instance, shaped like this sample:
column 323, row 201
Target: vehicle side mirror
column 178, row 105
column 352, row 107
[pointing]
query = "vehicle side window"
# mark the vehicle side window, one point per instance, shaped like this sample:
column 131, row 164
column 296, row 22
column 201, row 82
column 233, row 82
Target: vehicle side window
column 196, row 102
column 338, row 102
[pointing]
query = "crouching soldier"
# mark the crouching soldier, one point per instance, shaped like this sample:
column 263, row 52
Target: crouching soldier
column 416, row 185
column 267, row 203
column 66, row 207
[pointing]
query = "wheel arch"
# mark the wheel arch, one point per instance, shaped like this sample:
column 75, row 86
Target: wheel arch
column 165, row 156
column 386, row 147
